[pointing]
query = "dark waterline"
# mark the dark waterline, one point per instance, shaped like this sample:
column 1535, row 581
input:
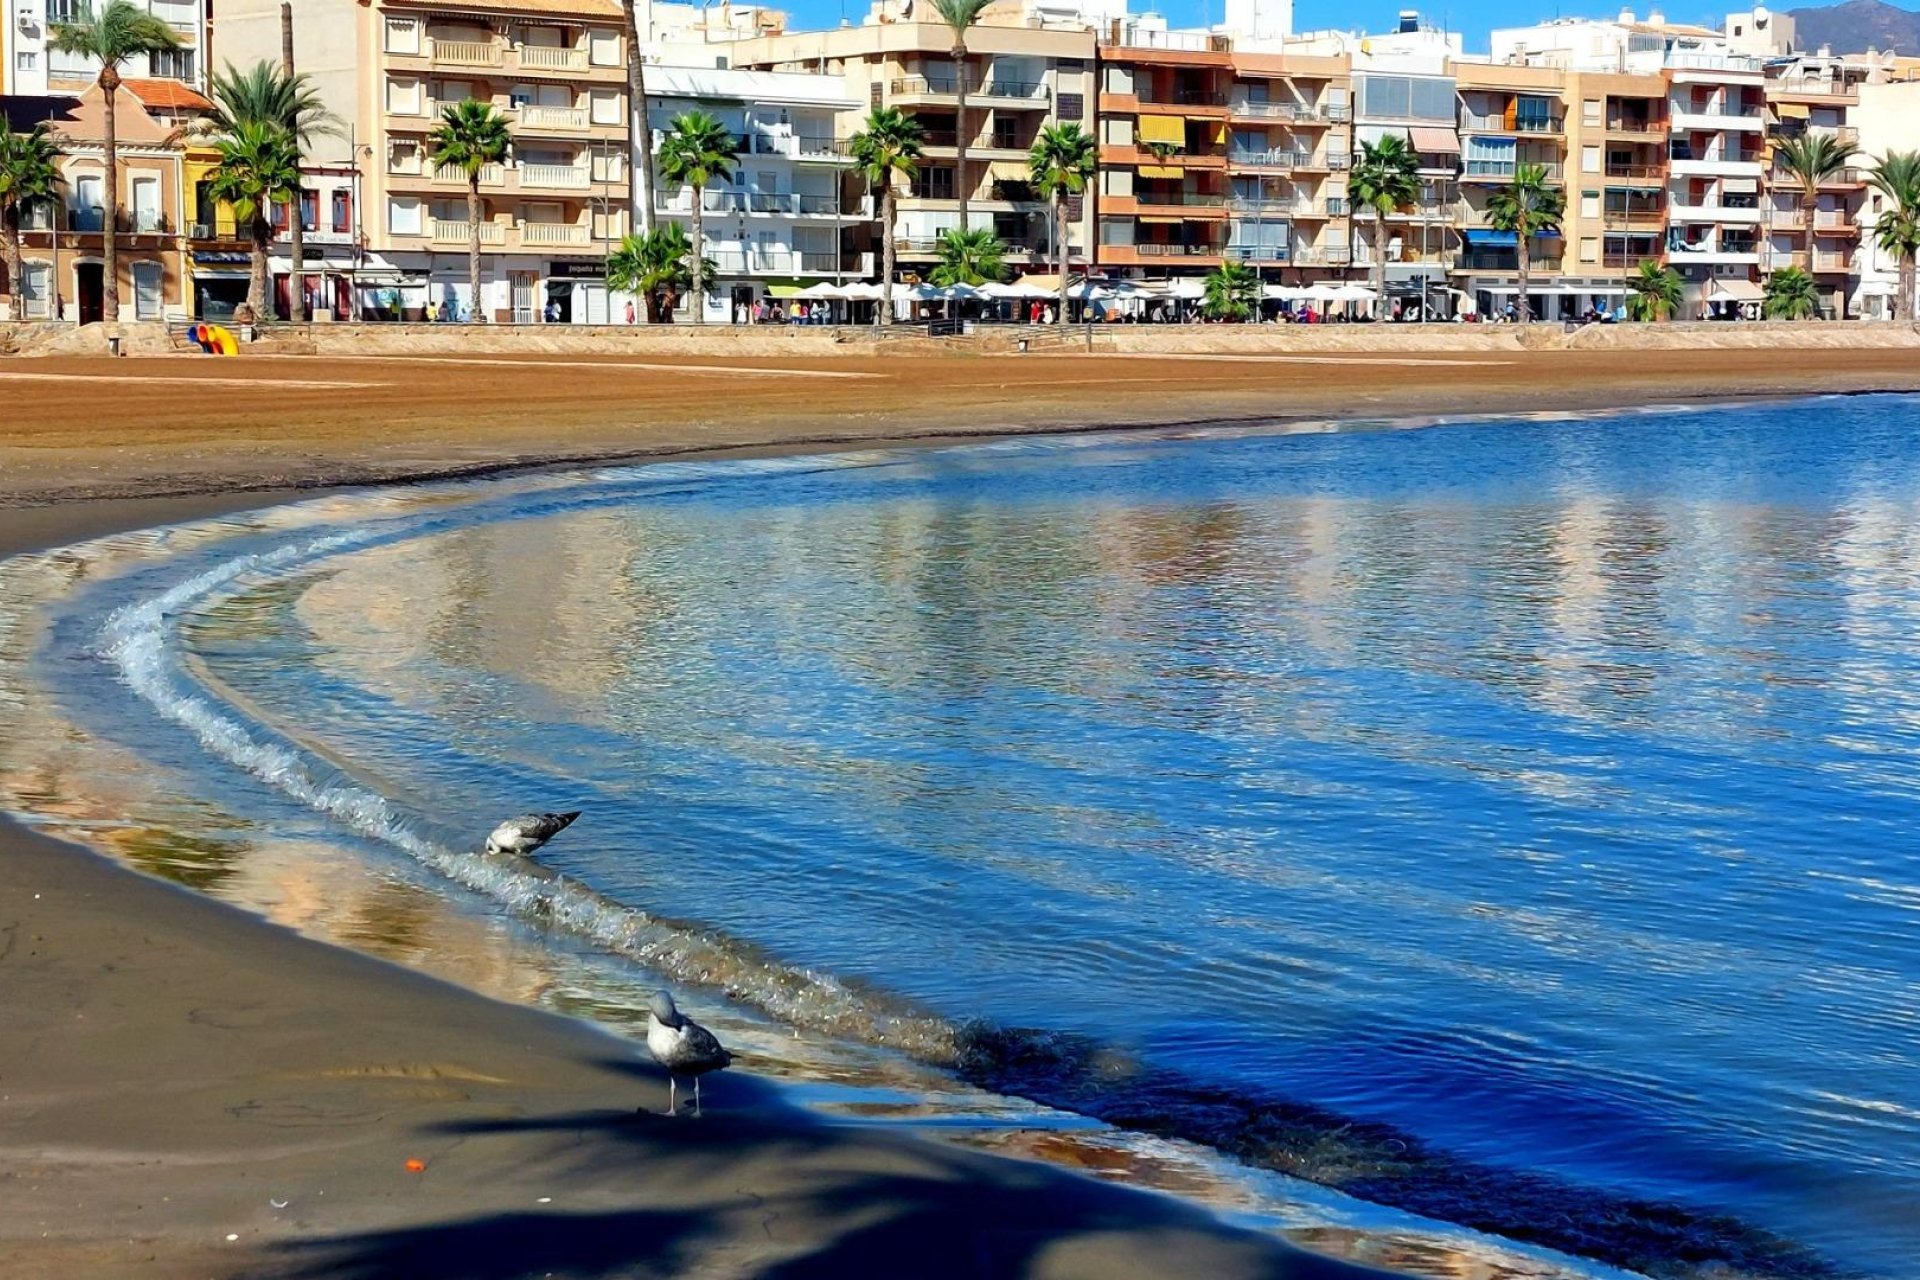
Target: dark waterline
column 1505, row 821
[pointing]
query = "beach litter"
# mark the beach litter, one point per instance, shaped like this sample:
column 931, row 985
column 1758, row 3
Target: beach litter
column 416, row 1165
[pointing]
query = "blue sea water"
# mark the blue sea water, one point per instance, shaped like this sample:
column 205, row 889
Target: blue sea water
column 1509, row 821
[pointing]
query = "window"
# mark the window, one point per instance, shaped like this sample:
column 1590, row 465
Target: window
column 403, row 97
column 63, row 10
column 309, row 209
column 172, row 64
column 146, row 204
column 603, row 48
column 403, row 35
column 342, row 209
column 451, row 91
column 403, row 216
column 34, row 280
column 146, row 290
column 1407, row 97
column 1589, row 249
column 1589, row 204
column 70, row 64
column 1071, row 106
column 1590, row 111
column 1589, row 159
column 936, row 184
column 605, row 106
column 607, row 166
column 403, row 157
column 26, row 60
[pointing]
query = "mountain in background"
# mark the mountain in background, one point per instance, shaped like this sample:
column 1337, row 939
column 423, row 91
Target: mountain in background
column 1856, row 26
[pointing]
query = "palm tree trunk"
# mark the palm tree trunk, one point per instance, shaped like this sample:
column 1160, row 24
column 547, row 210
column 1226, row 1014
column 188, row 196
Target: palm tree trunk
column 640, row 180
column 261, row 233
column 1379, row 256
column 16, row 267
column 886, row 254
column 1523, row 263
column 960, row 127
column 473, row 245
column 1907, row 294
column 109, row 260
column 1060, row 242
column 699, row 299
column 296, row 228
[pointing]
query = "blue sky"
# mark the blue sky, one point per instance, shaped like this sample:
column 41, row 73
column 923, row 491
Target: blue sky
column 1473, row 20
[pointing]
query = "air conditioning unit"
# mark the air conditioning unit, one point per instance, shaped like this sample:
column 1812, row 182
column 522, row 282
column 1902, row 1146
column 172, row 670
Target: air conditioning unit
column 26, row 18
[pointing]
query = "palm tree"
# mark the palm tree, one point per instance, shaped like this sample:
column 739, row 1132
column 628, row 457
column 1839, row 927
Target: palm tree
column 697, row 150
column 29, row 170
column 471, row 136
column 1896, row 176
column 886, row 149
column 1791, row 295
column 657, row 265
column 640, row 180
column 1526, row 208
column 268, row 94
column 1386, row 179
column 1061, row 164
column 259, row 166
column 116, row 33
column 1233, row 292
column 970, row 257
column 1657, row 291
column 959, row 15
column 1812, row 159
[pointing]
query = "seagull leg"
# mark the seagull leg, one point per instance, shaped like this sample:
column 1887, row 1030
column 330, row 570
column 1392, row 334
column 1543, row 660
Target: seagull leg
column 696, row 1097
column 673, row 1107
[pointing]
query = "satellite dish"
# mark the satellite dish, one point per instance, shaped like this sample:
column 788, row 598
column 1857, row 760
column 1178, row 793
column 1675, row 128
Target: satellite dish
column 1760, row 15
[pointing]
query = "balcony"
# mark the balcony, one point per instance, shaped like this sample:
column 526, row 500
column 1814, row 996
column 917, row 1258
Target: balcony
column 1815, row 90
column 1727, row 252
column 547, row 58
column 1278, row 253
column 1627, row 261
column 992, row 93
column 460, row 234
column 555, row 234
column 1638, row 173
column 1823, row 261
column 1724, row 164
column 1176, row 199
column 559, row 177
column 770, row 203
column 553, row 119
column 446, row 175
column 1310, row 113
column 1682, row 210
column 1279, row 159
column 1715, row 119
column 1423, row 213
column 1649, row 220
column 1310, row 210
column 1312, row 255
column 1172, row 250
column 1470, row 123
column 1123, row 34
column 464, row 53
column 745, row 262
column 1506, row 170
column 1649, row 127
column 807, row 147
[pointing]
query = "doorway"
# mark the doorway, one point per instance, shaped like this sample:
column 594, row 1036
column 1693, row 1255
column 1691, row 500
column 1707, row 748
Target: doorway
column 87, row 282
column 559, row 308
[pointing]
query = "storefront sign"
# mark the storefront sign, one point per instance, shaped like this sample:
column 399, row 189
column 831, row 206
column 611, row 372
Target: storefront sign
column 577, row 270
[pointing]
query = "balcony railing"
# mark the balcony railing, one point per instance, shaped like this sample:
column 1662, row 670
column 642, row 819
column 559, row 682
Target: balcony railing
column 1636, row 124
column 460, row 233
column 820, row 147
column 555, row 233
column 771, row 202
column 536, row 117
column 777, row 261
column 945, row 86
column 491, row 175
column 465, row 53
column 1165, row 250
column 550, row 58
column 1271, row 158
column 1834, row 89
column 1127, row 35
column 565, row 176
column 1179, row 97
column 1286, row 208
column 144, row 222
column 1322, row 255
column 1499, row 124
column 1199, row 199
column 1297, row 112
column 1260, row 252
column 1508, row 169
column 1653, row 172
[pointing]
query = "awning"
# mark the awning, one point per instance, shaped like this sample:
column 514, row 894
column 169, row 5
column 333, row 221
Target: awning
column 1739, row 186
column 1734, row 290
column 1159, row 221
column 1162, row 129
column 1160, row 171
column 1009, row 171
column 1477, row 239
column 1427, row 138
column 1792, row 111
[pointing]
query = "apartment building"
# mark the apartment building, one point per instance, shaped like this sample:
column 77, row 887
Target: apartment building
column 791, row 211
column 1511, row 117
column 1618, row 156
column 1291, row 131
column 1887, row 115
column 31, row 66
column 1815, row 94
column 1020, row 79
column 63, row 241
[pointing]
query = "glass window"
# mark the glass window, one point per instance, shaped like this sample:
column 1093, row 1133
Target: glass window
column 1589, row 159
column 342, row 209
column 403, row 216
column 1590, row 111
column 172, row 64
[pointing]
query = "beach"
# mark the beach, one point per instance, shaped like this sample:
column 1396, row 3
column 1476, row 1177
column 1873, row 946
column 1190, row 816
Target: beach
column 186, row 1090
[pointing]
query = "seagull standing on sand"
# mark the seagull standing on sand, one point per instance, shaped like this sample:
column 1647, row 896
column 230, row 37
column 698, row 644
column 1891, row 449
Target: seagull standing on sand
column 683, row 1047
column 524, row 834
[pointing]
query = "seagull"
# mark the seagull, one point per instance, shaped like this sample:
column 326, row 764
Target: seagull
column 683, row 1047
column 524, row 834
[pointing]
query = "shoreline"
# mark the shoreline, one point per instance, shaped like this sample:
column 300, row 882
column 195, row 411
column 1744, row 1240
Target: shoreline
column 390, row 1225
column 190, row 1089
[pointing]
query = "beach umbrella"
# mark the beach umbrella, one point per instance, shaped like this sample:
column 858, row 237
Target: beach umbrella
column 1320, row 293
column 1025, row 287
column 1354, row 293
column 825, row 289
column 1283, row 292
column 962, row 293
column 861, row 291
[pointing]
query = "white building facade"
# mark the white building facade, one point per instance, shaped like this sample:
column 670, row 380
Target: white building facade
column 33, row 67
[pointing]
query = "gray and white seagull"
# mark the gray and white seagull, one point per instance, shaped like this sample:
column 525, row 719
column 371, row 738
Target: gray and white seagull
column 524, row 834
column 683, row 1047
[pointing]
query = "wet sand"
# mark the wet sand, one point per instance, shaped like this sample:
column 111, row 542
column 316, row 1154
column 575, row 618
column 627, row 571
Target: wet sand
column 174, row 1073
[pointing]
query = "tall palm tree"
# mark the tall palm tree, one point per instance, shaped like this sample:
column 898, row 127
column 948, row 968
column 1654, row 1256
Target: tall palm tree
column 1233, row 292
column 888, row 147
column 471, row 136
column 960, row 15
column 657, row 265
column 1061, row 164
column 1896, row 176
column 1527, row 207
column 1791, row 295
column 29, row 170
column 259, row 165
column 1657, row 291
column 267, row 94
column 1811, row 160
column 1386, row 179
column 697, row 150
column 640, row 180
column 974, row 256
column 118, row 32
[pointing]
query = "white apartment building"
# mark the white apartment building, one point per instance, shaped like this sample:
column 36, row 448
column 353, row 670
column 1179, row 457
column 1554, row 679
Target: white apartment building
column 782, row 218
column 34, row 68
column 1717, row 127
column 1888, row 119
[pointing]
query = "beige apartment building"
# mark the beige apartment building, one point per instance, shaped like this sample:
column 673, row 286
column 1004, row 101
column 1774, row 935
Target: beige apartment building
column 1020, row 79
